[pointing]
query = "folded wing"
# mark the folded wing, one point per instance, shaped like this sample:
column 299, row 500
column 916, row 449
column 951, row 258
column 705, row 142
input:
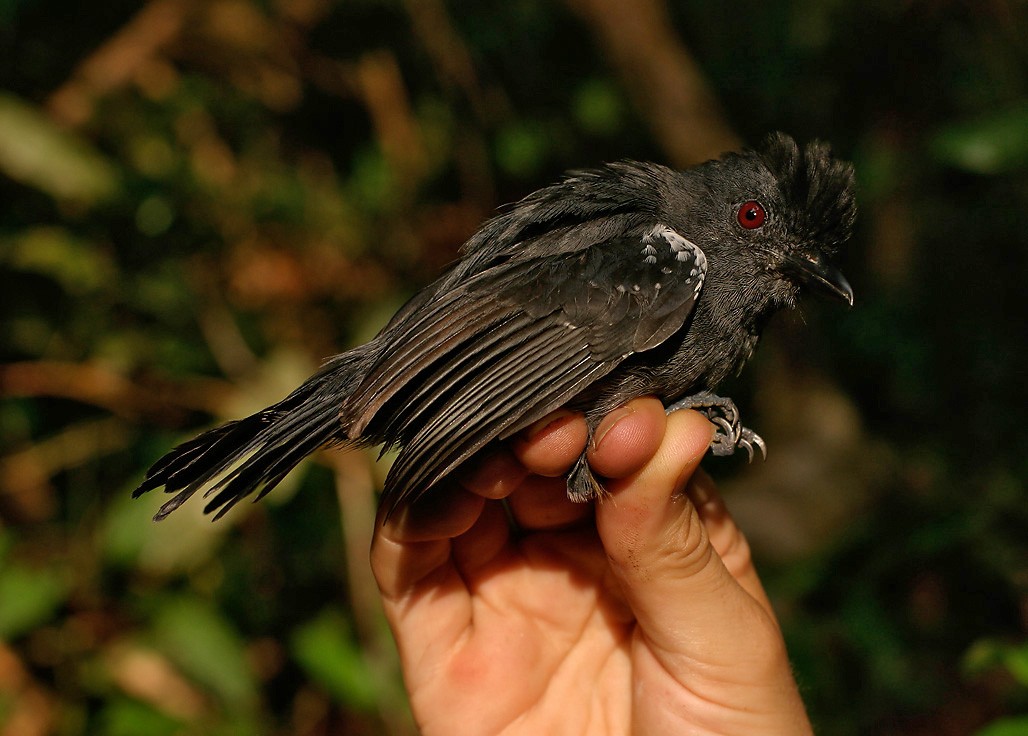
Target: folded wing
column 514, row 342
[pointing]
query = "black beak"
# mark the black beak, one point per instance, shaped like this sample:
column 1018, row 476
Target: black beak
column 819, row 276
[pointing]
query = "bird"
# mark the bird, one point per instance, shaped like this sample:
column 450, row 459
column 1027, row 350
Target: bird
column 625, row 280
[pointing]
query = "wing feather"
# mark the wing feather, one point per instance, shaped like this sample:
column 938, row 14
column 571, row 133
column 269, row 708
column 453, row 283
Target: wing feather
column 474, row 418
column 517, row 341
column 462, row 365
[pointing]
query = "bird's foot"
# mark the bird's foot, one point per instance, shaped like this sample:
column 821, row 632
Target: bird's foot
column 582, row 484
column 728, row 437
column 724, row 414
column 748, row 439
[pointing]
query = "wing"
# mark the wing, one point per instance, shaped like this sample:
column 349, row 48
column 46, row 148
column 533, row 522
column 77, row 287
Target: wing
column 514, row 342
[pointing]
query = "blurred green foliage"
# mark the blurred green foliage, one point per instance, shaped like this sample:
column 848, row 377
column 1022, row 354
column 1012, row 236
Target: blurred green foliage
column 201, row 200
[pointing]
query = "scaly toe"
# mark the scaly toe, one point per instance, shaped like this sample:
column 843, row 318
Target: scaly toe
column 752, row 439
column 725, row 429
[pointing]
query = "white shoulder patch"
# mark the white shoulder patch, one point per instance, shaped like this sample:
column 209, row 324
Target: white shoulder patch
column 682, row 249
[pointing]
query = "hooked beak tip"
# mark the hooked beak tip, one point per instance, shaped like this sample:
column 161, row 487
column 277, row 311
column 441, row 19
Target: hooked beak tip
column 847, row 295
column 821, row 276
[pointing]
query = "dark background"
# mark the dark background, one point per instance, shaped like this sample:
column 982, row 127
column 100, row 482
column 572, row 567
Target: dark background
column 201, row 200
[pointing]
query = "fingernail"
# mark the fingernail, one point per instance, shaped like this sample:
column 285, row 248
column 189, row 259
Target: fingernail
column 609, row 422
column 547, row 421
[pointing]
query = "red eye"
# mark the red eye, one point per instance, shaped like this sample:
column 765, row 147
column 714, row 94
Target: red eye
column 752, row 215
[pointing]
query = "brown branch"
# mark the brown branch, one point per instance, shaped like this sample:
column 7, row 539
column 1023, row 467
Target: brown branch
column 25, row 491
column 224, row 338
column 451, row 59
column 661, row 77
column 150, row 677
column 455, row 69
column 355, row 488
column 385, row 95
column 29, row 709
column 114, row 64
column 92, row 383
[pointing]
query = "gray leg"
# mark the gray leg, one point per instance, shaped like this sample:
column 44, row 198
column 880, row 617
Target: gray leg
column 724, row 414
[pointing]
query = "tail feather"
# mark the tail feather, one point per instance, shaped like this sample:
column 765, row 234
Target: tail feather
column 254, row 454
column 272, row 463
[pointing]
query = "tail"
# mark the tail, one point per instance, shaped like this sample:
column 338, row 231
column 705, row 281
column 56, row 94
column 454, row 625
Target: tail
column 256, row 453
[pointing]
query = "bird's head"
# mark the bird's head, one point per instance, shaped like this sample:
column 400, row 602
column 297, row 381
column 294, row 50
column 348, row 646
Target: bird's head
column 788, row 210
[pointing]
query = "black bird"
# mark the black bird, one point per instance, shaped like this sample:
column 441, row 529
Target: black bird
column 627, row 280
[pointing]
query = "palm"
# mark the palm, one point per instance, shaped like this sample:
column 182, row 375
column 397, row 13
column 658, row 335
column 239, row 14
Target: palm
column 544, row 611
column 559, row 628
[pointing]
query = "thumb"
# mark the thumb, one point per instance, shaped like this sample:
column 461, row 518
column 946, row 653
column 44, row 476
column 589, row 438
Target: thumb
column 688, row 606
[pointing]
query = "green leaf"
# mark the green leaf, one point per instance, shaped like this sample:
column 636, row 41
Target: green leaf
column 990, row 145
column 77, row 265
column 1017, row 726
column 982, row 656
column 130, row 718
column 1015, row 658
column 154, row 216
column 28, row 598
column 987, row 654
column 521, row 148
column 200, row 641
column 328, row 652
column 372, row 182
column 879, row 166
column 130, row 537
column 36, row 152
column 598, row 107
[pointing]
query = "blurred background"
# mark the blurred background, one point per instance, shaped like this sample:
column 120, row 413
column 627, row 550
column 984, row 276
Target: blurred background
column 199, row 201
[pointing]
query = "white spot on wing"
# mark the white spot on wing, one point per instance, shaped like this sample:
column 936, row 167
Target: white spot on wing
column 682, row 248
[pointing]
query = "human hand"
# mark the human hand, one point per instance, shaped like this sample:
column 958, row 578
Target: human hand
column 639, row 614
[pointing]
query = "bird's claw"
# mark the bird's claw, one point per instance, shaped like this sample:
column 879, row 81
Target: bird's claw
column 725, row 429
column 729, row 433
column 748, row 439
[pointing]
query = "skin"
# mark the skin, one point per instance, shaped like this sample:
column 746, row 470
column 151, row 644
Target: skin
column 640, row 614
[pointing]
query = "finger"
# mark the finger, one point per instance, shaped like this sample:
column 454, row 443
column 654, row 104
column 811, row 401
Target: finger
column 401, row 568
column 550, row 446
column 494, row 474
column 725, row 537
column 484, row 543
column 425, row 590
column 426, row 602
column 687, row 604
column 413, row 544
column 627, row 437
column 621, row 443
column 445, row 511
column 543, row 504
